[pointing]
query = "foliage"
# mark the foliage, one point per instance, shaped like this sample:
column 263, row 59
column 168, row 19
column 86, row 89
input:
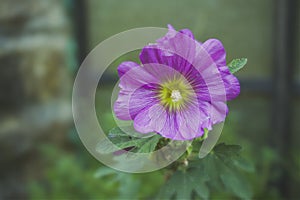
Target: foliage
column 125, row 141
column 71, row 176
column 237, row 64
column 220, row 170
column 65, row 176
column 131, row 186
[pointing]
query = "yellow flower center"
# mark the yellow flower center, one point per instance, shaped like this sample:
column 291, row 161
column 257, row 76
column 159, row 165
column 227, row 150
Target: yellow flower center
column 175, row 93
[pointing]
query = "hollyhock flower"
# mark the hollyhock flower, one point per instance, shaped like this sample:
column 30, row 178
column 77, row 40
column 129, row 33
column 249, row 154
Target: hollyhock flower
column 179, row 90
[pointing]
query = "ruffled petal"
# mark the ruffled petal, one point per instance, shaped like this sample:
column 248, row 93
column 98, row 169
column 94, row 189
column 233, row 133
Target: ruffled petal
column 216, row 51
column 130, row 103
column 191, row 120
column 136, row 77
column 187, row 32
column 139, row 87
column 231, row 83
column 218, row 112
column 191, row 59
column 172, row 32
column 121, row 106
column 151, row 119
column 137, row 91
column 207, row 83
column 183, row 125
column 152, row 54
column 125, row 67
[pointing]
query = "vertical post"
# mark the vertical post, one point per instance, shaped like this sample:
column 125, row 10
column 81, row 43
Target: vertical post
column 81, row 25
column 284, row 43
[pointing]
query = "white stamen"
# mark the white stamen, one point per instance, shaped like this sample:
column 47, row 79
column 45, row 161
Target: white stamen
column 175, row 95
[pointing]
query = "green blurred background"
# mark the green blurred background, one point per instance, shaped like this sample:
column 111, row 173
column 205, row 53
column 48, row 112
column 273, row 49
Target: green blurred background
column 43, row 43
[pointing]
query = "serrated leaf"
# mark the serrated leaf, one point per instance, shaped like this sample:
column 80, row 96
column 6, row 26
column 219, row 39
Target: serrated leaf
column 149, row 145
column 218, row 171
column 190, row 181
column 244, row 164
column 232, row 153
column 124, row 141
column 129, row 186
column 237, row 64
column 198, row 182
column 227, row 151
column 211, row 164
column 236, row 183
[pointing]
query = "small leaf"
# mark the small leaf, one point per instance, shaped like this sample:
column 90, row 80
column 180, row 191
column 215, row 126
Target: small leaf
column 126, row 142
column 149, row 145
column 237, row 64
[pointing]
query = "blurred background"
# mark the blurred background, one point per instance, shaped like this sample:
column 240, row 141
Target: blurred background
column 43, row 42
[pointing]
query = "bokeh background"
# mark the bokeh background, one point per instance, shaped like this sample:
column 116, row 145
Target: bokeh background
column 43, row 42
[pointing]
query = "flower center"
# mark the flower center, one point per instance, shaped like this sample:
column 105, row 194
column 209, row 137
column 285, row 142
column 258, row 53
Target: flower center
column 175, row 93
column 176, row 96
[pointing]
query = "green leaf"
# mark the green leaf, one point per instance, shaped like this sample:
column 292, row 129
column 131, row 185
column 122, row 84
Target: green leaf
column 128, row 186
column 182, row 185
column 149, row 145
column 227, row 151
column 230, row 169
column 235, row 182
column 237, row 64
column 244, row 164
column 232, row 153
column 221, row 171
column 104, row 171
column 122, row 140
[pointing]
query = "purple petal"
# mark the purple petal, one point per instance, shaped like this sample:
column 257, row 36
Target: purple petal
column 189, row 72
column 216, row 51
column 187, row 32
column 152, row 54
column 184, row 53
column 142, row 98
column 139, row 88
column 177, row 43
column 130, row 103
column 125, row 67
column 170, row 34
column 231, row 83
column 121, row 106
column 190, row 121
column 151, row 119
column 137, row 77
column 135, row 87
column 218, row 112
column 183, row 125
